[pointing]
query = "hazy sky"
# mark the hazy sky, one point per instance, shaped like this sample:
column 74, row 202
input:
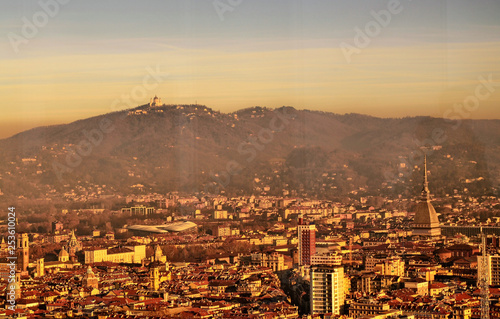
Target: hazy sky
column 76, row 59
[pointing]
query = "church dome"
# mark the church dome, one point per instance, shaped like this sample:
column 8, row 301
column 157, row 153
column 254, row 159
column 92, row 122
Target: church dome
column 63, row 253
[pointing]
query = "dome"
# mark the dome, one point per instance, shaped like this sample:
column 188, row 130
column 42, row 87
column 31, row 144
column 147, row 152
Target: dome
column 425, row 214
column 63, row 253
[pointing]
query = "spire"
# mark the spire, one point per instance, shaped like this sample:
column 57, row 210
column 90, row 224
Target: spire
column 425, row 190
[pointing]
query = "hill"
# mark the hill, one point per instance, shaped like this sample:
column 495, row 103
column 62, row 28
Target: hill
column 194, row 149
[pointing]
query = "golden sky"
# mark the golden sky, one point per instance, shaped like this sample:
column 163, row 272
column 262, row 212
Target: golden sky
column 402, row 72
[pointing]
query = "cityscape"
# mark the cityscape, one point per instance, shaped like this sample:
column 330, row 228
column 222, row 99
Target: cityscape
column 250, row 159
column 180, row 255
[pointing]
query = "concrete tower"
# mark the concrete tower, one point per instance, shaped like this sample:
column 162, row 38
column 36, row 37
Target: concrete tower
column 426, row 222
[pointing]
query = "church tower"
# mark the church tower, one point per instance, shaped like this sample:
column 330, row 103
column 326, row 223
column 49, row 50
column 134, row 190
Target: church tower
column 154, row 277
column 23, row 251
column 40, row 267
column 426, row 222
column 90, row 280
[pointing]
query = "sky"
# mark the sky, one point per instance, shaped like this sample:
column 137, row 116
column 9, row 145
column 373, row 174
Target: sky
column 64, row 60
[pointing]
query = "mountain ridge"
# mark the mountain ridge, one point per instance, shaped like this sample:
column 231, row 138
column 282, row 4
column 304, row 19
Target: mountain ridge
column 193, row 148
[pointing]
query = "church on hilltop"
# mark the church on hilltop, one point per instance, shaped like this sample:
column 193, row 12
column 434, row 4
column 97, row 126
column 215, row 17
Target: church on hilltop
column 426, row 222
column 155, row 102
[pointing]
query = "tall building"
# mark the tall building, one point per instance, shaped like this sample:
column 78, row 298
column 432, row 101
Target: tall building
column 40, row 267
column 327, row 289
column 154, row 278
column 307, row 242
column 23, row 251
column 426, row 222
column 493, row 268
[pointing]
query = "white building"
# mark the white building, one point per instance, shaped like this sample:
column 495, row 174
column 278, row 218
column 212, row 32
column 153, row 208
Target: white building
column 327, row 289
column 126, row 254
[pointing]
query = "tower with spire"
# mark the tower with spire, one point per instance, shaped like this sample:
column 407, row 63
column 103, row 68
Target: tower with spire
column 426, row 223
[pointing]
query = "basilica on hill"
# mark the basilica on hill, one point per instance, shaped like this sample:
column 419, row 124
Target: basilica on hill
column 155, row 102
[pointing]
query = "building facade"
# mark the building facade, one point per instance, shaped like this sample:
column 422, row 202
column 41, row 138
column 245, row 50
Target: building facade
column 385, row 265
column 307, row 242
column 329, row 259
column 493, row 264
column 327, row 289
column 127, row 255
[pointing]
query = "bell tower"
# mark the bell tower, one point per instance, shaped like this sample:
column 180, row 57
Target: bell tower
column 23, row 250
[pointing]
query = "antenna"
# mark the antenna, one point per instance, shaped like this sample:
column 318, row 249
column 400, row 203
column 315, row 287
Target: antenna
column 425, row 190
column 483, row 280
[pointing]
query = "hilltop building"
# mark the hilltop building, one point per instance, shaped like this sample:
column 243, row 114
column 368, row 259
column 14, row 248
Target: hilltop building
column 426, row 222
column 155, row 102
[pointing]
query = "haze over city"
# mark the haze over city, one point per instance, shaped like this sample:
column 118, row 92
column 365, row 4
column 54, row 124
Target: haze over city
column 420, row 60
column 250, row 159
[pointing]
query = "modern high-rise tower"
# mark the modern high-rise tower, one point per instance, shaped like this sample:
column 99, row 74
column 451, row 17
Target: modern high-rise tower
column 426, row 222
column 327, row 289
column 307, row 242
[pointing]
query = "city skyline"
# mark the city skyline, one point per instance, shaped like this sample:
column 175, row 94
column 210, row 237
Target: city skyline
column 385, row 58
